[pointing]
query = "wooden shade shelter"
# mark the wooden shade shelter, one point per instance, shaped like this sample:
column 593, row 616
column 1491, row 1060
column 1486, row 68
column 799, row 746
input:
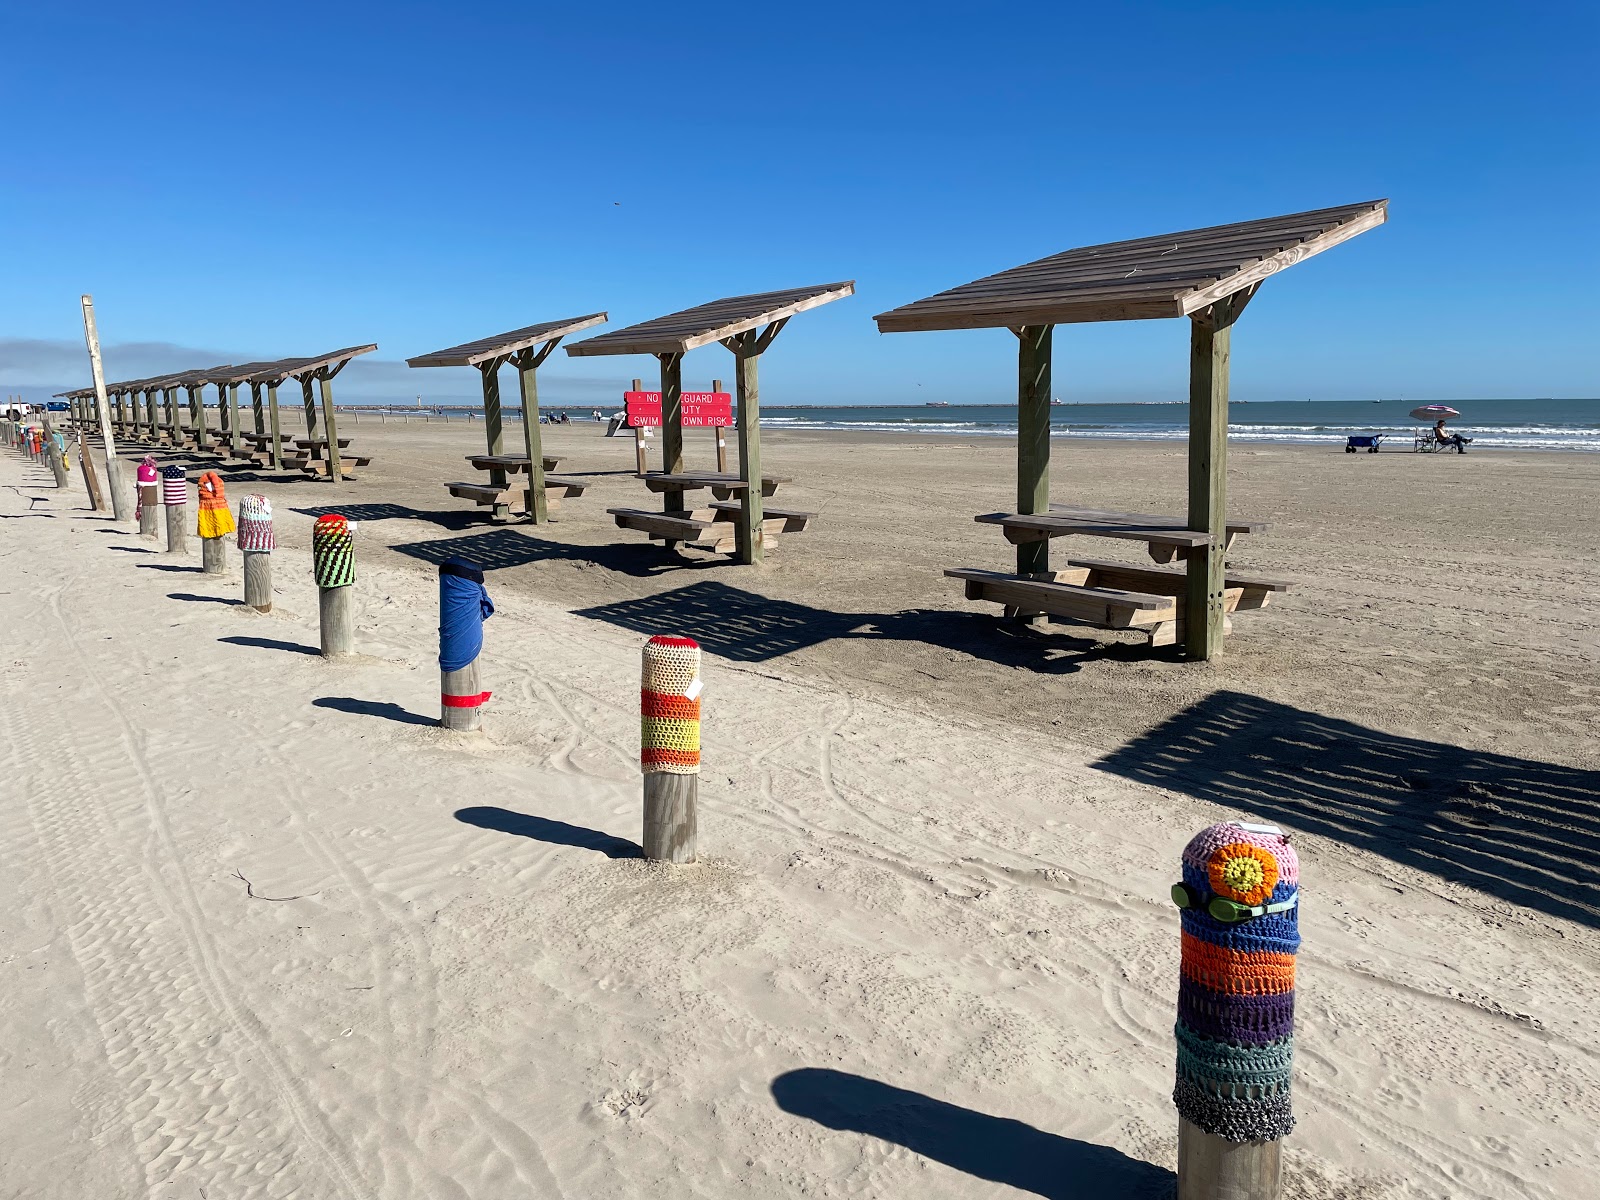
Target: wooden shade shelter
column 1207, row 275
column 745, row 325
column 526, row 349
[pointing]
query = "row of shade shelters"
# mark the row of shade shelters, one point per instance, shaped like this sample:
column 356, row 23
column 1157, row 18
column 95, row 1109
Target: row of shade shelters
column 1206, row 275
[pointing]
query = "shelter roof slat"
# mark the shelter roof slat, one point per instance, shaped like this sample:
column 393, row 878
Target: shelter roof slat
column 679, row 332
column 1125, row 280
column 470, row 354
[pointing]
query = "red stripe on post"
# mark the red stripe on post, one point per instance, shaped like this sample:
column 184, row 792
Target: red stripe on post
column 464, row 701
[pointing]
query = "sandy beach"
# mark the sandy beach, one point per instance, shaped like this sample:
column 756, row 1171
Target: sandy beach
column 268, row 932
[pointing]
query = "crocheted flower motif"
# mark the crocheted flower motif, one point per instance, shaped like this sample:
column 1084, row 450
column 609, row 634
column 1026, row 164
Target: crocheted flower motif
column 1243, row 872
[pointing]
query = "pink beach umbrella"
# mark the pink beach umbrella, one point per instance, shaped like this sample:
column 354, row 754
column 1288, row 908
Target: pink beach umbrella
column 1432, row 412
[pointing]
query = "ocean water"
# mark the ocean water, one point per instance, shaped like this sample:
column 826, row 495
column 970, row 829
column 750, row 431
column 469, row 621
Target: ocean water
column 1492, row 424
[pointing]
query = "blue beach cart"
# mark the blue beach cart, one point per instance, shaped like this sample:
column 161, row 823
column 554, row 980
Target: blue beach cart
column 1363, row 441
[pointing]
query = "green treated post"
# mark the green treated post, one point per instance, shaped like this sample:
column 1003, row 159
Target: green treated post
column 235, row 442
column 533, row 438
column 493, row 428
column 672, row 425
column 1203, row 616
column 277, row 429
column 1033, row 438
column 335, row 467
column 748, row 534
column 310, row 404
column 255, row 407
column 197, row 417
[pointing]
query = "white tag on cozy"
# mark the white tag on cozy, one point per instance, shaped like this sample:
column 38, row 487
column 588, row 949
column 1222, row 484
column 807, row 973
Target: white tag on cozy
column 692, row 692
column 1249, row 828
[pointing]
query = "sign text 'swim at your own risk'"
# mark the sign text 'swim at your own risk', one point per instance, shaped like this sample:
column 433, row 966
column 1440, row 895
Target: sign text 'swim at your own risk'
column 701, row 410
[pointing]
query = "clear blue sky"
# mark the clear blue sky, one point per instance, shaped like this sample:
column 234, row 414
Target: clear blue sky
column 235, row 182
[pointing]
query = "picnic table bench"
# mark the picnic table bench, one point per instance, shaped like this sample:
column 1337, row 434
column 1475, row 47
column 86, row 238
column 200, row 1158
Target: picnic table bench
column 509, row 499
column 713, row 526
column 1112, row 595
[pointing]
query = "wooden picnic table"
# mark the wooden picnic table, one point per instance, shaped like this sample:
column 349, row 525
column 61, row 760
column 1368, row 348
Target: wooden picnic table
column 1166, row 536
column 510, row 462
column 722, row 483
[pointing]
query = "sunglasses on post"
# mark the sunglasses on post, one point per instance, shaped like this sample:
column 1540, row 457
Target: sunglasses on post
column 1229, row 912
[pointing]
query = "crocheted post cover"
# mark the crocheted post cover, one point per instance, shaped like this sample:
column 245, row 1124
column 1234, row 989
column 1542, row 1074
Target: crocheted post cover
column 333, row 552
column 255, row 524
column 149, row 477
column 174, row 487
column 464, row 606
column 669, row 706
column 216, row 519
column 1236, row 991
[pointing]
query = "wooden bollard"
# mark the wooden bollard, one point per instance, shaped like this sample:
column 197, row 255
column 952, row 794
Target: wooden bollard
column 333, row 565
column 58, row 463
column 464, row 605
column 175, row 499
column 1239, row 906
column 256, row 543
column 214, row 524
column 669, row 709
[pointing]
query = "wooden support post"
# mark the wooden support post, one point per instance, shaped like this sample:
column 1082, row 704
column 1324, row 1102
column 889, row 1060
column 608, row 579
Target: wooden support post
column 538, row 505
column 308, row 402
column 670, row 829
column 277, row 429
column 493, row 437
column 1213, row 1168
column 255, row 408
column 177, row 528
column 174, row 431
column 336, row 610
column 197, row 418
column 214, row 555
column 671, row 426
column 235, row 438
column 90, row 479
column 1210, row 334
column 58, row 465
column 749, row 542
column 720, row 432
column 1033, row 438
column 461, row 682
column 120, row 509
column 149, row 509
column 641, row 458
column 335, row 465
column 258, row 580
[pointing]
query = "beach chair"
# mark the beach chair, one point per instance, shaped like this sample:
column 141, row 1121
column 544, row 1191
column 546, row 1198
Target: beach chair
column 1363, row 441
column 1423, row 441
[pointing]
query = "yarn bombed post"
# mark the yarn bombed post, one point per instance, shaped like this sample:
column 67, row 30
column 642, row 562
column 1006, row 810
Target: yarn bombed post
column 214, row 525
column 1239, row 902
column 669, row 708
column 333, row 565
column 256, row 544
column 175, row 497
column 149, row 483
column 464, row 606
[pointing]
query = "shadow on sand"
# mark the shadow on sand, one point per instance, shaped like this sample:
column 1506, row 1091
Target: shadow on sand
column 373, row 708
column 260, row 643
column 1522, row 831
column 996, row 1149
column 747, row 627
column 542, row 829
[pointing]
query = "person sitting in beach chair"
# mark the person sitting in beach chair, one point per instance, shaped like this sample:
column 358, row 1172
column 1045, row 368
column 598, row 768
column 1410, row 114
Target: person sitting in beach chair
column 1443, row 437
